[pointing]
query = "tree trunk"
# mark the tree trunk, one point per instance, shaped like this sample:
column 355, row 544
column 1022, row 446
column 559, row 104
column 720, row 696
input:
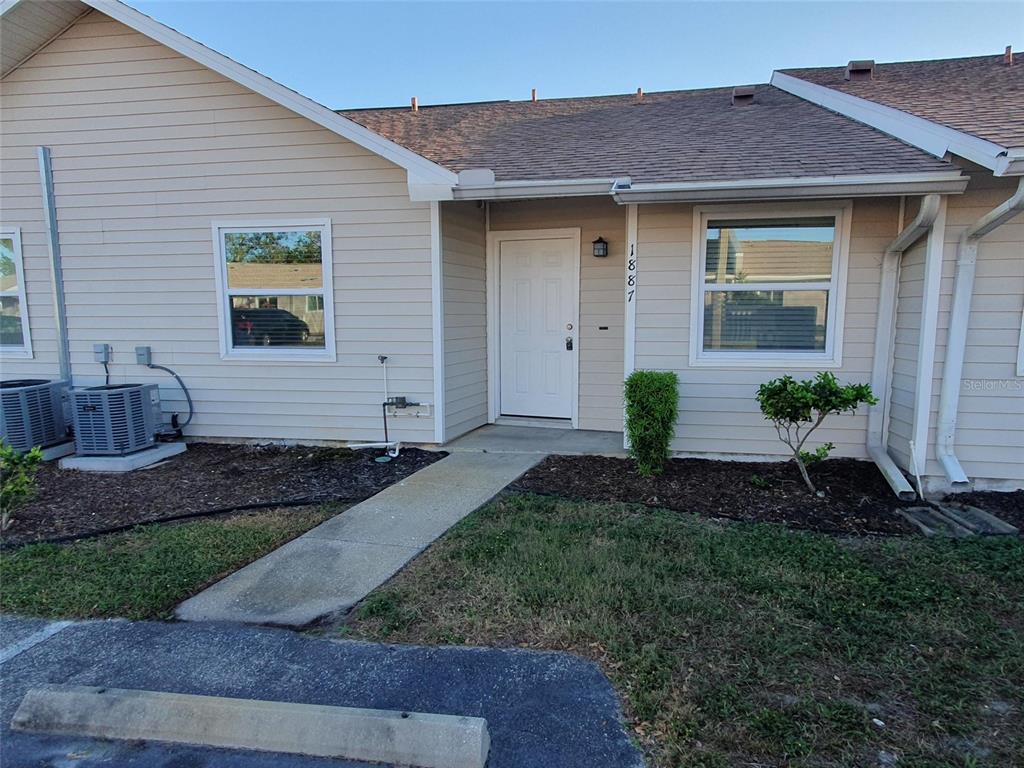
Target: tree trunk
column 803, row 472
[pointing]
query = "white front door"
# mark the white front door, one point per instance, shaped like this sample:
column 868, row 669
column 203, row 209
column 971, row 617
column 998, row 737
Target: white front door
column 537, row 326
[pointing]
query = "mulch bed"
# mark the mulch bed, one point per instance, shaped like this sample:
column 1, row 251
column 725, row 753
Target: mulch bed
column 1006, row 505
column 857, row 498
column 208, row 476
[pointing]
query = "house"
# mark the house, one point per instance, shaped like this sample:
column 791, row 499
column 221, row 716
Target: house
column 515, row 260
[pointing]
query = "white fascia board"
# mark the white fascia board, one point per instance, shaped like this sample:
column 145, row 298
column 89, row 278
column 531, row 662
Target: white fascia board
column 6, row 5
column 1012, row 163
column 420, row 169
column 428, row 191
column 934, row 138
column 862, row 185
column 519, row 190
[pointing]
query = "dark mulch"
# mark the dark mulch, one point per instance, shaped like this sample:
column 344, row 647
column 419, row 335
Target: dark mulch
column 1006, row 505
column 857, row 501
column 208, row 476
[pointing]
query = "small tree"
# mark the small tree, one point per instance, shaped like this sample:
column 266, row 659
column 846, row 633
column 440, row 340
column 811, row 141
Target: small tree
column 17, row 480
column 652, row 405
column 797, row 408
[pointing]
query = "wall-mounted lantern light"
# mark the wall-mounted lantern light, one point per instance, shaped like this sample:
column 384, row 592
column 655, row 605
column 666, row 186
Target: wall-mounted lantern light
column 600, row 247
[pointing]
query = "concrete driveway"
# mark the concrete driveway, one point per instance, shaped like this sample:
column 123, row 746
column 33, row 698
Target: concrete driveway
column 544, row 710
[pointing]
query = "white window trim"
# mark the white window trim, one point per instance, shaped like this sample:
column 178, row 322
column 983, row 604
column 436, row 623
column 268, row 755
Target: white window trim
column 23, row 350
column 832, row 357
column 274, row 354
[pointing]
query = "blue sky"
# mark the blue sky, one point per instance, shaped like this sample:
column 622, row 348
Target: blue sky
column 381, row 53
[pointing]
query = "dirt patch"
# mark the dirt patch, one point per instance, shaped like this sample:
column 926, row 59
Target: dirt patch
column 207, row 476
column 1006, row 505
column 857, row 498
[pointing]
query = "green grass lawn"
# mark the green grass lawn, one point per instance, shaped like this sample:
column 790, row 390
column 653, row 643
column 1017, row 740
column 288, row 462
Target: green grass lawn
column 741, row 645
column 144, row 573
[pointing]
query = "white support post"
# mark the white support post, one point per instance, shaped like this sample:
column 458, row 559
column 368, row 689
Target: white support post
column 437, row 308
column 630, row 296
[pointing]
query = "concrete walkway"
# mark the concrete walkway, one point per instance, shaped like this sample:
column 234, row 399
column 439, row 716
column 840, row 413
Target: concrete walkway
column 326, row 571
column 506, row 438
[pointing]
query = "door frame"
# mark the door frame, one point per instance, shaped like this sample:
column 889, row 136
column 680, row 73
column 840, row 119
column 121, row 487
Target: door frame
column 494, row 240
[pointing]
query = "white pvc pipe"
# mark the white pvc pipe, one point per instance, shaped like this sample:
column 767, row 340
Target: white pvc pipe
column 392, row 447
column 956, row 342
column 885, row 332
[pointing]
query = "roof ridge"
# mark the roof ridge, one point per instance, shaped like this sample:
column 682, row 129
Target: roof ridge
column 997, row 56
column 631, row 95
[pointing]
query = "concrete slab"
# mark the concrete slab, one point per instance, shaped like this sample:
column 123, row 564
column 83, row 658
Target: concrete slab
column 543, row 710
column 501, row 438
column 933, row 523
column 139, row 460
column 977, row 520
column 59, row 451
column 307, row 579
column 421, row 739
column 325, row 572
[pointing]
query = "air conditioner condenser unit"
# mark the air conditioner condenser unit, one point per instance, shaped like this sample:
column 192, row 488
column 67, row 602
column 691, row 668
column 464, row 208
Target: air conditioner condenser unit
column 32, row 413
column 115, row 419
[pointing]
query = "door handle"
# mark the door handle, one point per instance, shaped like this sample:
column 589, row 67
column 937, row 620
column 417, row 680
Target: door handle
column 568, row 343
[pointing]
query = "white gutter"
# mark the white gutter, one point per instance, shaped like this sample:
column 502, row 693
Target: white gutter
column 521, row 190
column 625, row 192
column 956, row 342
column 60, row 314
column 934, row 138
column 885, row 332
column 782, row 188
column 925, row 371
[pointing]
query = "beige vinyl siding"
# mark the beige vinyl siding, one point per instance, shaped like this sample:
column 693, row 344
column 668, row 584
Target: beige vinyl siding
column 905, row 353
column 990, row 420
column 601, row 300
column 464, row 259
column 28, row 26
column 148, row 149
column 718, row 412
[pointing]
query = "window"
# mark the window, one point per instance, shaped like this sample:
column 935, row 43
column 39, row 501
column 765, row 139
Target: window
column 15, row 340
column 768, row 287
column 275, row 288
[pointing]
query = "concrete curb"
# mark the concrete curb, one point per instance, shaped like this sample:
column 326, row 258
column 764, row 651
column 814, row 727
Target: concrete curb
column 374, row 735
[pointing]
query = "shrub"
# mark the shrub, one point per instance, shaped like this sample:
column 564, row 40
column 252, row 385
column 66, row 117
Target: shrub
column 17, row 480
column 797, row 408
column 652, row 404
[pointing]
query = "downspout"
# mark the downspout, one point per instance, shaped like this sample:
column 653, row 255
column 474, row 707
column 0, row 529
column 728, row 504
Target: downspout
column 956, row 342
column 885, row 333
column 53, row 244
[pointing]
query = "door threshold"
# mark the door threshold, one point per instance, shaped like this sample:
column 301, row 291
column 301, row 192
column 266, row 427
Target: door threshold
column 533, row 421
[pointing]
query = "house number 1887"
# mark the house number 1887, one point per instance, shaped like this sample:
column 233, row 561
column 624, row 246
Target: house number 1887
column 630, row 275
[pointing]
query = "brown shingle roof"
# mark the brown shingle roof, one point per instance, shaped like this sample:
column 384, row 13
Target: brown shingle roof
column 980, row 95
column 676, row 136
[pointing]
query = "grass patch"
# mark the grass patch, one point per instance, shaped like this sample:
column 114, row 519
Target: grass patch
column 743, row 644
column 144, row 573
